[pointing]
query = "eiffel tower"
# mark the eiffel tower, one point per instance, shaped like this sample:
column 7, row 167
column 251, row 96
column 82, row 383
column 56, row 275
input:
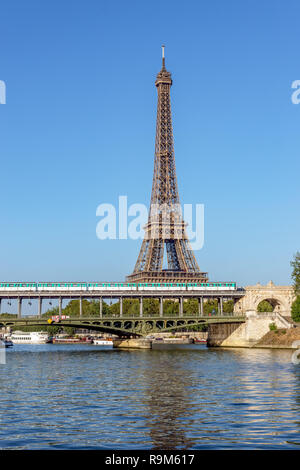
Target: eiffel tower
column 165, row 227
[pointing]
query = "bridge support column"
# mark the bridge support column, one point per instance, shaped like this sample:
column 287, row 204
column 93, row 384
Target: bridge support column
column 40, row 306
column 19, row 307
column 200, row 306
column 59, row 306
column 101, row 307
column 141, row 306
column 161, row 306
column 181, row 307
column 220, row 306
column 121, row 306
column 80, row 307
column 0, row 305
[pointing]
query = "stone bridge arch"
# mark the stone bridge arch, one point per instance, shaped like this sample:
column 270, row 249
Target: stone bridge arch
column 280, row 297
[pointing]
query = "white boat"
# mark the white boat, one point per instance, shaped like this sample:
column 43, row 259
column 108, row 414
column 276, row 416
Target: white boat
column 103, row 342
column 21, row 337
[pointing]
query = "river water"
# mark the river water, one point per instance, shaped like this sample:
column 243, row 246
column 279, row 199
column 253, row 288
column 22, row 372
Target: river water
column 87, row 397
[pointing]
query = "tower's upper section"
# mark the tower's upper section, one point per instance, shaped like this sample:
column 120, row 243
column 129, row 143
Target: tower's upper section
column 163, row 76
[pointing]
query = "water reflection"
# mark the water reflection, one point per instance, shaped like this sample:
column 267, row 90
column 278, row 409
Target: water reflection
column 168, row 400
column 73, row 397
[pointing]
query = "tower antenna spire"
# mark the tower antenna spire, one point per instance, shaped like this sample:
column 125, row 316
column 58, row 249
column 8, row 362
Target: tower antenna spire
column 163, row 56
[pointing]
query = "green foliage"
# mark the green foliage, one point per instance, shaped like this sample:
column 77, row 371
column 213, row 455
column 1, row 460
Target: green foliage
column 51, row 312
column 151, row 307
column 190, row 306
column 228, row 306
column 51, row 330
column 295, row 311
column 8, row 315
column 171, row 307
column 199, row 327
column 210, row 307
column 69, row 330
column 265, row 306
column 272, row 327
column 296, row 272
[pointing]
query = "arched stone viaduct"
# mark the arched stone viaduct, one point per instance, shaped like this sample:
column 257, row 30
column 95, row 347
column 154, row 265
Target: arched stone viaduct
column 280, row 297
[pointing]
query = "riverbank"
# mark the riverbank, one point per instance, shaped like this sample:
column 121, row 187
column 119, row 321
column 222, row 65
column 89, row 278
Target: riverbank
column 279, row 339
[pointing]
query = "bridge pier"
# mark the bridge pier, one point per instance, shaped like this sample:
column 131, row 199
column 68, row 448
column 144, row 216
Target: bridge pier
column 80, row 306
column 19, row 307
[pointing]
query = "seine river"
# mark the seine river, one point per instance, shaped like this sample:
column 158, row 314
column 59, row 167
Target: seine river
column 84, row 397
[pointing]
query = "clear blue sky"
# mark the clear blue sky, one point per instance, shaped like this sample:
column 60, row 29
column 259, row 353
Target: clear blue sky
column 78, row 129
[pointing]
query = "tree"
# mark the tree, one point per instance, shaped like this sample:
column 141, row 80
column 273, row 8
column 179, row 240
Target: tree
column 228, row 306
column 210, row 306
column 265, row 306
column 296, row 272
column 190, row 306
column 295, row 311
column 151, row 307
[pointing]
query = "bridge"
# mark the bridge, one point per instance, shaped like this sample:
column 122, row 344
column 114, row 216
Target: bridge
column 20, row 294
column 141, row 324
column 129, row 325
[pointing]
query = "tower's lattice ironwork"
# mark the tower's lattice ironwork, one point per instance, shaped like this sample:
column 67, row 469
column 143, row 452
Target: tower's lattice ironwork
column 165, row 227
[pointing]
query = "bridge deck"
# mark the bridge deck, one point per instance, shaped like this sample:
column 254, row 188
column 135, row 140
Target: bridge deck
column 116, row 294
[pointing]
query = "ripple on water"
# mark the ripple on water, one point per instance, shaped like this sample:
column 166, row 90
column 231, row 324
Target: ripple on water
column 74, row 397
